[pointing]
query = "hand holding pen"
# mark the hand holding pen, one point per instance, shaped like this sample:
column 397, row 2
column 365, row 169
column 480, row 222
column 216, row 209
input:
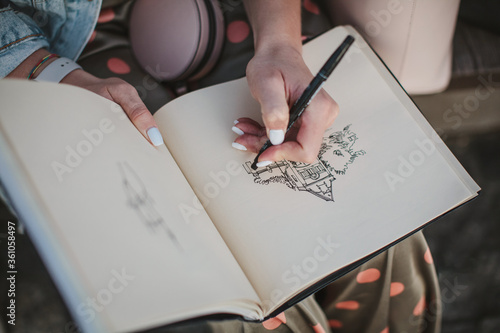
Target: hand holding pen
column 276, row 80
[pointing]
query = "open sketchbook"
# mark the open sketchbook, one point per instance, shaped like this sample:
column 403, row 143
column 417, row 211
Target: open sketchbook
column 137, row 236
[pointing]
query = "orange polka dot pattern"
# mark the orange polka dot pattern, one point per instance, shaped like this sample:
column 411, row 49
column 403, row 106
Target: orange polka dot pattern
column 237, row 31
column 375, row 291
column 396, row 288
column 118, row 66
column 273, row 323
column 369, row 275
column 106, row 15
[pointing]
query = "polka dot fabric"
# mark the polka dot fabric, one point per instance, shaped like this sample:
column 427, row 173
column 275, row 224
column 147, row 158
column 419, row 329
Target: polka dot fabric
column 273, row 323
column 367, row 276
column 106, row 15
column 347, row 305
column 117, row 66
column 237, row 31
column 396, row 288
column 311, row 7
column 397, row 291
column 108, row 54
column 119, row 62
column 238, row 46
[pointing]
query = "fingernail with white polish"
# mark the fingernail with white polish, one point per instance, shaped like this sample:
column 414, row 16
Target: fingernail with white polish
column 263, row 164
column 237, row 130
column 238, row 146
column 276, row 136
column 155, row 136
column 235, row 122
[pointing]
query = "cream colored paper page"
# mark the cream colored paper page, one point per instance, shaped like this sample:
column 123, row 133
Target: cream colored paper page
column 114, row 200
column 290, row 225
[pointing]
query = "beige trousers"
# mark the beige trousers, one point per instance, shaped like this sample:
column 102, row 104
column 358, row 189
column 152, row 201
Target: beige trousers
column 413, row 37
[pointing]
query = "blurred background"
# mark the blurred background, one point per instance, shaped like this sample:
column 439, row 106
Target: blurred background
column 465, row 243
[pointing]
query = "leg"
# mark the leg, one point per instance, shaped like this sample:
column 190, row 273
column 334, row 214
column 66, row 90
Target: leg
column 413, row 37
column 397, row 291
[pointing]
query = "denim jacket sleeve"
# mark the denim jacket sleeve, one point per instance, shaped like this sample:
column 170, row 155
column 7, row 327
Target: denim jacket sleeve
column 61, row 26
column 20, row 37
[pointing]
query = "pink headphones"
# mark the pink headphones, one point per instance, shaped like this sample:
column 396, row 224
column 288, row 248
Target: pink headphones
column 176, row 40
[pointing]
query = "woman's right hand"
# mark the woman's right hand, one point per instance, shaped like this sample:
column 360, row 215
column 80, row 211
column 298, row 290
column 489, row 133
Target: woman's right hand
column 277, row 77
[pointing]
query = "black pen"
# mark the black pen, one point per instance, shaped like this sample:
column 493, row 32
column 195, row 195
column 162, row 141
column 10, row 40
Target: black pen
column 312, row 89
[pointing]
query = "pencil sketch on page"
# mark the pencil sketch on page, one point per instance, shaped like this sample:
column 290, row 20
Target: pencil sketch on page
column 336, row 154
column 139, row 200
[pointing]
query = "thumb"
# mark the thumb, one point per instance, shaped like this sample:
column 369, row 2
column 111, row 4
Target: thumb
column 274, row 108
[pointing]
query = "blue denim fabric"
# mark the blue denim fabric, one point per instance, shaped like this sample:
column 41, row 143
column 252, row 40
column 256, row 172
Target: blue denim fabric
column 61, row 26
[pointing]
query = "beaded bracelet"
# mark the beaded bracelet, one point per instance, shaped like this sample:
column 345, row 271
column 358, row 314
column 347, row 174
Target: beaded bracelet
column 40, row 63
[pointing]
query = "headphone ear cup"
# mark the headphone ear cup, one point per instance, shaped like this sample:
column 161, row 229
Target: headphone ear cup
column 215, row 42
column 174, row 39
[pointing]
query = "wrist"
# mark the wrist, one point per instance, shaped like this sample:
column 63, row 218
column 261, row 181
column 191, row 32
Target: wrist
column 278, row 50
column 275, row 23
column 24, row 68
column 79, row 77
column 277, row 42
column 42, row 67
column 57, row 70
